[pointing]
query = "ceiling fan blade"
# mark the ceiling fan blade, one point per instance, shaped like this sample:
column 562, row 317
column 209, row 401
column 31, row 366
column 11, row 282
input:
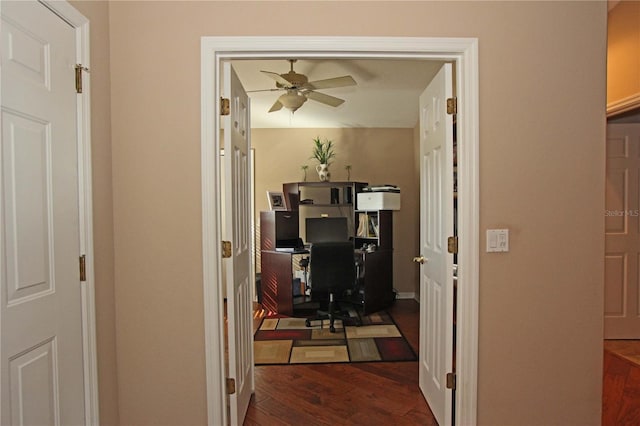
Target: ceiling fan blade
column 278, row 78
column 277, row 106
column 324, row 99
column 265, row 90
column 329, row 83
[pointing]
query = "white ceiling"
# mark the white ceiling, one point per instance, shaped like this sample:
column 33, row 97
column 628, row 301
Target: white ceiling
column 386, row 94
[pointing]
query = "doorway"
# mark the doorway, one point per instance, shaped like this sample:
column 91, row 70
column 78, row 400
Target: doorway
column 461, row 51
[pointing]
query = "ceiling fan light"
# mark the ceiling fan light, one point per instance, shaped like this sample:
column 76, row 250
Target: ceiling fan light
column 292, row 100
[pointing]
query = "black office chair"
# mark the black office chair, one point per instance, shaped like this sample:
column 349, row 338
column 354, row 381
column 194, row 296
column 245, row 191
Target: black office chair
column 333, row 273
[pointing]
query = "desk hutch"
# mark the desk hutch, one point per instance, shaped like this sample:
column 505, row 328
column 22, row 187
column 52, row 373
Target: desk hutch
column 371, row 231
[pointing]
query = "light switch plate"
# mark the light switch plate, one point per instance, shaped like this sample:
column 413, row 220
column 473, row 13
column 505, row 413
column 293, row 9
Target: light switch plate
column 497, row 240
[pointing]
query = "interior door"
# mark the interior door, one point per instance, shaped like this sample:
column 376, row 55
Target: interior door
column 622, row 233
column 237, row 229
column 436, row 225
column 40, row 299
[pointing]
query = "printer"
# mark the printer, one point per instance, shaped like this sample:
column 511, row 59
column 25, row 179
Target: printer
column 379, row 197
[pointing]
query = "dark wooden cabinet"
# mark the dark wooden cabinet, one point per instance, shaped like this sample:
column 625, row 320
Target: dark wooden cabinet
column 276, row 281
column 374, row 239
column 279, row 229
column 375, row 280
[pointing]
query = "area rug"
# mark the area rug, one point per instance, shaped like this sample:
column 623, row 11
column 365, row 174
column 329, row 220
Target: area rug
column 289, row 341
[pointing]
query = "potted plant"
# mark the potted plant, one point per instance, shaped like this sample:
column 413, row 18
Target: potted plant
column 323, row 152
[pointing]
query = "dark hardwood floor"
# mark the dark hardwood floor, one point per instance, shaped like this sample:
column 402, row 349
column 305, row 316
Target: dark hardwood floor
column 621, row 383
column 388, row 393
column 377, row 393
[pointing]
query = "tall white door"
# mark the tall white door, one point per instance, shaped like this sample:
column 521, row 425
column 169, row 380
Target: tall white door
column 236, row 127
column 40, row 295
column 436, row 225
column 622, row 233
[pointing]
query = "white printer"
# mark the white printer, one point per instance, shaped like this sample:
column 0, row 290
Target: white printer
column 379, row 197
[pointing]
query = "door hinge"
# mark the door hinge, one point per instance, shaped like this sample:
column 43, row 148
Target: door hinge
column 451, row 381
column 452, row 106
column 452, row 244
column 79, row 68
column 226, row 249
column 231, row 386
column 83, row 268
column 224, row 106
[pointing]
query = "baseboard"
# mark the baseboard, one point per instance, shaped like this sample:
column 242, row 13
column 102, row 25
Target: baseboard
column 407, row 295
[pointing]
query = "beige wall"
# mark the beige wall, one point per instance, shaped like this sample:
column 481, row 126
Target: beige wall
column 155, row 86
column 623, row 55
column 376, row 156
column 542, row 128
column 97, row 13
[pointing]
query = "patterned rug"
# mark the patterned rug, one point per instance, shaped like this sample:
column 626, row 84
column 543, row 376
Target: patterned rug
column 289, row 341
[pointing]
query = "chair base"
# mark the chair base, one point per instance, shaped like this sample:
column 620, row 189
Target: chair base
column 331, row 314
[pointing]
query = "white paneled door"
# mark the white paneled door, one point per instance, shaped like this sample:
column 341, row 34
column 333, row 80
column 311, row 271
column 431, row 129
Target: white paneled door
column 41, row 307
column 436, row 225
column 622, row 233
column 236, row 128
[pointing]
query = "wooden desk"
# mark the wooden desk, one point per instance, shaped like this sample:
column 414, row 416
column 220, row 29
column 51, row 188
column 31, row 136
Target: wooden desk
column 277, row 280
column 375, row 280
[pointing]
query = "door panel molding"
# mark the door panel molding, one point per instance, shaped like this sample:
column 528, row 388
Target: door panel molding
column 464, row 53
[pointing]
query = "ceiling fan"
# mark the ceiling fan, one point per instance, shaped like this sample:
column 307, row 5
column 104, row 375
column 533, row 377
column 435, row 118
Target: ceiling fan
column 298, row 89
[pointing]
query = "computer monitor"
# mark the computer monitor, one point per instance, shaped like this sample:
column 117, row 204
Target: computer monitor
column 326, row 229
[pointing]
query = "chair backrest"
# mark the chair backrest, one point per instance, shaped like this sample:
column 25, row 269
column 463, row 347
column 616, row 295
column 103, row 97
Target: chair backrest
column 332, row 266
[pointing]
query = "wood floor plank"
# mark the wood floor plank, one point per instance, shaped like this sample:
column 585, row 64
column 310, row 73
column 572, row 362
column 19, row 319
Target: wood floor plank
column 344, row 394
column 615, row 376
column 629, row 413
column 620, row 389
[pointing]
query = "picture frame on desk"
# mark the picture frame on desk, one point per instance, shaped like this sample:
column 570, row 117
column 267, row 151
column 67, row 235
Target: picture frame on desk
column 276, row 200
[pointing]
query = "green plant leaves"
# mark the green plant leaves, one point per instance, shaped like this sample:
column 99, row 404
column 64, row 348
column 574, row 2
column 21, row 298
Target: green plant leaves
column 323, row 151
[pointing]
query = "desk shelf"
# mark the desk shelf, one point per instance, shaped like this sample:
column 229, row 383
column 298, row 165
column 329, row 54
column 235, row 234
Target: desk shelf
column 337, row 205
column 374, row 227
column 326, row 194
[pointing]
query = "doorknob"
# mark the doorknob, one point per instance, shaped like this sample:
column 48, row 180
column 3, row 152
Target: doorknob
column 420, row 259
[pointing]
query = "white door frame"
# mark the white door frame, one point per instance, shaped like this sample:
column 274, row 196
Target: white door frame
column 461, row 51
column 83, row 113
